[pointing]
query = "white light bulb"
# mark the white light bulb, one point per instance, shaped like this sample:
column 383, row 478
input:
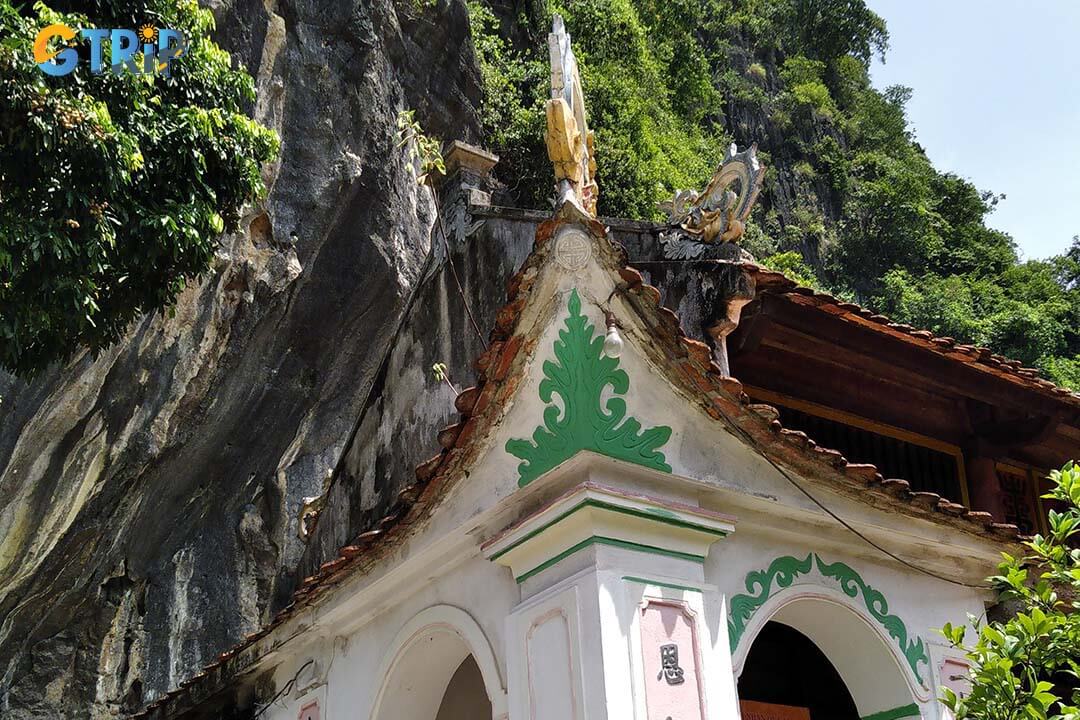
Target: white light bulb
column 613, row 342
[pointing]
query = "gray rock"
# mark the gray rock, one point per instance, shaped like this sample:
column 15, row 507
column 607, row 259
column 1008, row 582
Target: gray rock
column 149, row 497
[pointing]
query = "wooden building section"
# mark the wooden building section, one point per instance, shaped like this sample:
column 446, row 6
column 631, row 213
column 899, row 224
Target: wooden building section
column 947, row 418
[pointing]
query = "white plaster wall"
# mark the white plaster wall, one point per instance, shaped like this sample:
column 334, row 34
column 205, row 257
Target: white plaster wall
column 924, row 603
column 700, row 448
column 351, row 664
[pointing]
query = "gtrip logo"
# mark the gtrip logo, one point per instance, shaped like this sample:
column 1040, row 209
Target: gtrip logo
column 146, row 51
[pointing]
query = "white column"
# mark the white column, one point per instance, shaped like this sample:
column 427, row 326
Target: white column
column 616, row 620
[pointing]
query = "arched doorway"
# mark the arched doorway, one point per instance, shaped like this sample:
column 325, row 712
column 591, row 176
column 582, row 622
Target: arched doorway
column 440, row 667
column 785, row 667
column 810, row 648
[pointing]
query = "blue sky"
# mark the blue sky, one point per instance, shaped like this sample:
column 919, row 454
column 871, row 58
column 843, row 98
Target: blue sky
column 996, row 100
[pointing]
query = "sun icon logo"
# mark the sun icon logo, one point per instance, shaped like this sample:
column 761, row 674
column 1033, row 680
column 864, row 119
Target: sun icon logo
column 148, row 34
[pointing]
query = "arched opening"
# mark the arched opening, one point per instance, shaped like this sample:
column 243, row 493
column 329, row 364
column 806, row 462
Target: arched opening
column 816, row 652
column 440, row 667
column 436, row 678
column 785, row 667
column 465, row 697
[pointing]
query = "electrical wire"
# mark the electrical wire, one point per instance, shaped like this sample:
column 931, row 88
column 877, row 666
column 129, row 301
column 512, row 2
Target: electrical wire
column 284, row 690
column 450, row 262
column 749, row 439
column 787, row 476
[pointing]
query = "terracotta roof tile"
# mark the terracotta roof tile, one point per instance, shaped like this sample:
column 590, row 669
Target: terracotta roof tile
column 928, row 500
column 952, row 508
column 770, row 281
column 864, row 471
column 897, row 487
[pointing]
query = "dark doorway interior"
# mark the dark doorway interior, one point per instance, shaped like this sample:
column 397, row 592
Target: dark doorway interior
column 465, row 697
column 785, row 667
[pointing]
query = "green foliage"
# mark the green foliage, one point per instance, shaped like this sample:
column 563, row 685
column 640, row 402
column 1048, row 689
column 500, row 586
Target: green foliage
column 669, row 84
column 804, row 78
column 515, row 88
column 423, row 150
column 792, row 264
column 649, row 93
column 114, row 188
column 1021, row 667
column 1024, row 312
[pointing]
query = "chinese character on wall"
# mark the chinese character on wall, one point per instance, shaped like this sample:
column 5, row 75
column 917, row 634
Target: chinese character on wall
column 669, row 664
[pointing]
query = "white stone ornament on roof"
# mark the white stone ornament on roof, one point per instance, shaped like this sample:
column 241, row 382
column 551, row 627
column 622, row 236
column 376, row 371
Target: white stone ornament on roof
column 568, row 138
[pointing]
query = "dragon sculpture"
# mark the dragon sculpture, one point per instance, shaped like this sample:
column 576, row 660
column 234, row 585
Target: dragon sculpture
column 717, row 215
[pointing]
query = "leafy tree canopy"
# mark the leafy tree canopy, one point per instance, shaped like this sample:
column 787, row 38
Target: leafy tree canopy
column 671, row 83
column 113, row 188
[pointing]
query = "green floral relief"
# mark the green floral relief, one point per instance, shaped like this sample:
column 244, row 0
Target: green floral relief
column 578, row 376
column 783, row 571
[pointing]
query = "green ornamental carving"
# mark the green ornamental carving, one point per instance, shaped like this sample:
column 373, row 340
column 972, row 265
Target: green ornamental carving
column 784, row 570
column 914, row 650
column 578, row 376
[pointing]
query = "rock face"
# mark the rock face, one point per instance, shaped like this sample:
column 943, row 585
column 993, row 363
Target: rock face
column 149, row 497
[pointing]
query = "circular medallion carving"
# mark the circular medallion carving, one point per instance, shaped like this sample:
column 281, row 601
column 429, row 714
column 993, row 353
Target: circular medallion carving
column 573, row 248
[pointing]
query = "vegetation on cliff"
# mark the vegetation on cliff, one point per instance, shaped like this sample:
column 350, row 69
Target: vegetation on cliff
column 851, row 203
column 113, row 187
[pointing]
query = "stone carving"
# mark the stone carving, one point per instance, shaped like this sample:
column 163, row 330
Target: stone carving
column 573, row 248
column 783, row 571
column 717, row 215
column 579, row 375
column 569, row 140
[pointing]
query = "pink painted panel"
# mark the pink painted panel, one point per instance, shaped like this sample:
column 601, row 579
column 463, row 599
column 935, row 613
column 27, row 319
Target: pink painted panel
column 673, row 687
column 954, row 675
column 310, row 711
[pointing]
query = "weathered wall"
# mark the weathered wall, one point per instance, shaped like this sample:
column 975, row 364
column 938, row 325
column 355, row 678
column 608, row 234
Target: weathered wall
column 398, row 428
column 148, row 497
column 407, row 405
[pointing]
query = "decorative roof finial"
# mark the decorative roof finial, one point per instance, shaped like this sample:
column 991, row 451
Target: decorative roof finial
column 569, row 140
column 718, row 214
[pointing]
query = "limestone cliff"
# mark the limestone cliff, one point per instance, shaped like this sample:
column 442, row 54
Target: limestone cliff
column 149, row 497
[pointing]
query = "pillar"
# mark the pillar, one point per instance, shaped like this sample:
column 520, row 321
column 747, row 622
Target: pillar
column 615, row 620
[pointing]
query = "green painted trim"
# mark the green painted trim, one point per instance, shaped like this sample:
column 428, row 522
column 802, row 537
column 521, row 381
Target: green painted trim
column 907, row 711
column 672, row 586
column 579, row 374
column 852, row 584
column 601, row 540
column 666, row 519
column 784, row 570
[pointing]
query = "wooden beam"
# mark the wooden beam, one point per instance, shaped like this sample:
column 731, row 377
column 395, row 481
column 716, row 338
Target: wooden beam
column 751, row 330
column 822, row 330
column 854, row 390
